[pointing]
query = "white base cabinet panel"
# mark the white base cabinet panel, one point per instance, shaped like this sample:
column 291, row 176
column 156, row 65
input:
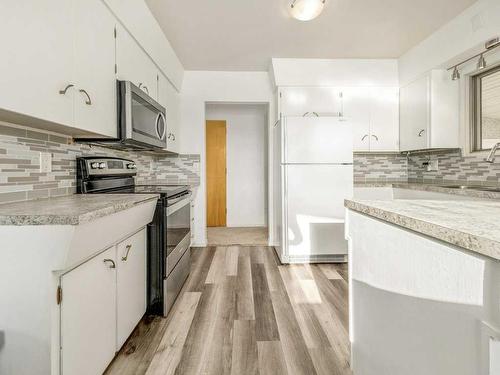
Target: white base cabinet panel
column 88, row 316
column 130, row 285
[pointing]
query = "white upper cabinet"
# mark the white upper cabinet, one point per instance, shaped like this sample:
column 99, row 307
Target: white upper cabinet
column 37, row 61
column 429, row 109
column 169, row 98
column 95, row 82
column 356, row 109
column 310, row 101
column 384, row 119
column 134, row 65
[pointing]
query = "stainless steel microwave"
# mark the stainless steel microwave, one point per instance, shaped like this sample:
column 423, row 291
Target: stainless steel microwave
column 141, row 120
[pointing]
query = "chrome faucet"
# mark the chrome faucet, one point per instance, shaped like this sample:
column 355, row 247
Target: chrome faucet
column 491, row 156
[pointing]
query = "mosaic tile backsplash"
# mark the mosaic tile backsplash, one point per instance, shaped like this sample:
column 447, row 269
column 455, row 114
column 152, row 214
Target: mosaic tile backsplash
column 453, row 167
column 390, row 167
column 21, row 179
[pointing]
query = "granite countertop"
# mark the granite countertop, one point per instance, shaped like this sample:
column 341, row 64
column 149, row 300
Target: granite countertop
column 472, row 225
column 69, row 210
column 435, row 188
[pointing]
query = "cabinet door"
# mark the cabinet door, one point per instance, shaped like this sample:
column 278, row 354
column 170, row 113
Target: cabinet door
column 131, row 284
column 95, row 96
column 37, row 43
column 169, row 98
column 414, row 115
column 356, row 109
column 384, row 119
column 301, row 101
column 133, row 64
column 88, row 316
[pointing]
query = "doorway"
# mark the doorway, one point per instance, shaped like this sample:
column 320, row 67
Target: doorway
column 216, row 134
column 237, row 156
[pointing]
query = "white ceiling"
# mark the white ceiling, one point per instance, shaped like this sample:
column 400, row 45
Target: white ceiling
column 245, row 34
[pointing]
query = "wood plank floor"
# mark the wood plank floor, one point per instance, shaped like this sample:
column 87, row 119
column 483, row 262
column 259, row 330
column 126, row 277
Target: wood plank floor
column 241, row 312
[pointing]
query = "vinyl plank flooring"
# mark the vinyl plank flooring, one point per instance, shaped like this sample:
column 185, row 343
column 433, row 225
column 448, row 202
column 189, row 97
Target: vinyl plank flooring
column 271, row 359
column 244, row 354
column 242, row 312
column 265, row 321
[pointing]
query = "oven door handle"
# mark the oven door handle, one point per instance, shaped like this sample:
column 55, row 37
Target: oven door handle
column 178, row 203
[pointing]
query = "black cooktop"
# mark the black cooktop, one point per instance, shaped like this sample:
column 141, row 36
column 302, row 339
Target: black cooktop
column 167, row 191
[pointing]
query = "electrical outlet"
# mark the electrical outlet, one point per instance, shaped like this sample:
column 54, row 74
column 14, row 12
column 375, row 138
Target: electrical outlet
column 432, row 166
column 45, row 162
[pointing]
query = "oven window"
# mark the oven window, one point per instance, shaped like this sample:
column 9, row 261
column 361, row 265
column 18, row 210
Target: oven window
column 178, row 226
column 144, row 117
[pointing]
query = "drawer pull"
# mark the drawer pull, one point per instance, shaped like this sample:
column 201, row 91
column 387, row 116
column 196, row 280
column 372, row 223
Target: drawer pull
column 128, row 247
column 113, row 265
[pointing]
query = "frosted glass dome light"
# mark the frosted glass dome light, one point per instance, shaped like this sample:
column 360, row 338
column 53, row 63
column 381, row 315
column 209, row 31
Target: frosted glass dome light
column 306, row 10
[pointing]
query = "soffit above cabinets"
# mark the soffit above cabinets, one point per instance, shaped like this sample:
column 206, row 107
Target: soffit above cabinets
column 245, row 35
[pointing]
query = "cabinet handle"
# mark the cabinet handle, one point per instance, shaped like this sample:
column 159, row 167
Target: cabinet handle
column 128, row 247
column 113, row 265
column 169, row 135
column 421, row 132
column 310, row 113
column 364, row 137
column 63, row 91
column 88, row 101
column 173, row 135
column 144, row 87
column 374, row 136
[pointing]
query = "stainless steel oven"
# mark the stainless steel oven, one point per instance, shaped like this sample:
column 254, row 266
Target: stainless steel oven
column 178, row 214
column 141, row 119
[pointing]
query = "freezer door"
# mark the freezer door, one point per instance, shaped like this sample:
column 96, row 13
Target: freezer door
column 309, row 140
column 315, row 209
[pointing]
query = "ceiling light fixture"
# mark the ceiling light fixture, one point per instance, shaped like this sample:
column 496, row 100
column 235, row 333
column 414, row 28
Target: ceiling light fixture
column 481, row 63
column 456, row 74
column 306, row 10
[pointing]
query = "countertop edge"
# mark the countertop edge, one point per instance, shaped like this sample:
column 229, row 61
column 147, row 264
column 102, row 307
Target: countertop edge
column 476, row 244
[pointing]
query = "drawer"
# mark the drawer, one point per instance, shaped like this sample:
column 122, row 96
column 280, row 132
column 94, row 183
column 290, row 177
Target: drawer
column 175, row 281
column 176, row 254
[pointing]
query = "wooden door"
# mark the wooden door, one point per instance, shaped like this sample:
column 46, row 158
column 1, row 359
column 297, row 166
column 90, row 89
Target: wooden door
column 216, row 173
column 88, row 316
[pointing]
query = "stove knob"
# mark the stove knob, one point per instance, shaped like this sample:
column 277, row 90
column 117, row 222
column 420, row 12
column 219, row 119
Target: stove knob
column 102, row 165
column 131, row 166
column 94, row 165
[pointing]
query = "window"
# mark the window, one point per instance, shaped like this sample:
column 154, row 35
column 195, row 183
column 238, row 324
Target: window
column 486, row 109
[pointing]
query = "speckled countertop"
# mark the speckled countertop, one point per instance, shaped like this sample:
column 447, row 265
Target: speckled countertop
column 69, row 210
column 434, row 188
column 472, row 225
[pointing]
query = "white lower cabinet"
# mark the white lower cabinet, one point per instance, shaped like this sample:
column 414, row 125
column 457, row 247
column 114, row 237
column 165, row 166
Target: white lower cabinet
column 88, row 316
column 130, row 285
column 102, row 301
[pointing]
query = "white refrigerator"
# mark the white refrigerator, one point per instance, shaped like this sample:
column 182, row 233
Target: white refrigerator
column 313, row 174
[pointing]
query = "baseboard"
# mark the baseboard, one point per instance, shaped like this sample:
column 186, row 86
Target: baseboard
column 326, row 258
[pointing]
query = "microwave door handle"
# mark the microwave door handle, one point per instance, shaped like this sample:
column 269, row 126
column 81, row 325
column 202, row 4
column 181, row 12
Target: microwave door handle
column 156, row 125
column 165, row 127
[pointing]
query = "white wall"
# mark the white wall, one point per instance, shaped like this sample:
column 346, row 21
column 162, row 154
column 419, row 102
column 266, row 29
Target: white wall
column 460, row 37
column 200, row 88
column 246, row 161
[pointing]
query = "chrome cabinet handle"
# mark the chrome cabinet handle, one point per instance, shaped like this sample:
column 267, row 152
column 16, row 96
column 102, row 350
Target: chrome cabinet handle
column 364, row 137
column 310, row 113
column 63, row 91
column 144, row 87
column 421, row 132
column 128, row 247
column 169, row 135
column 113, row 265
column 88, row 101
column 173, row 135
column 374, row 136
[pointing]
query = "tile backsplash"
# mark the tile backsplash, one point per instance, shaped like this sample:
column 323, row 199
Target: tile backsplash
column 387, row 167
column 21, row 179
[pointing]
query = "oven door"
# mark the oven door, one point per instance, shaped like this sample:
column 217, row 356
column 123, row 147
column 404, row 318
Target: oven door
column 178, row 213
column 142, row 119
